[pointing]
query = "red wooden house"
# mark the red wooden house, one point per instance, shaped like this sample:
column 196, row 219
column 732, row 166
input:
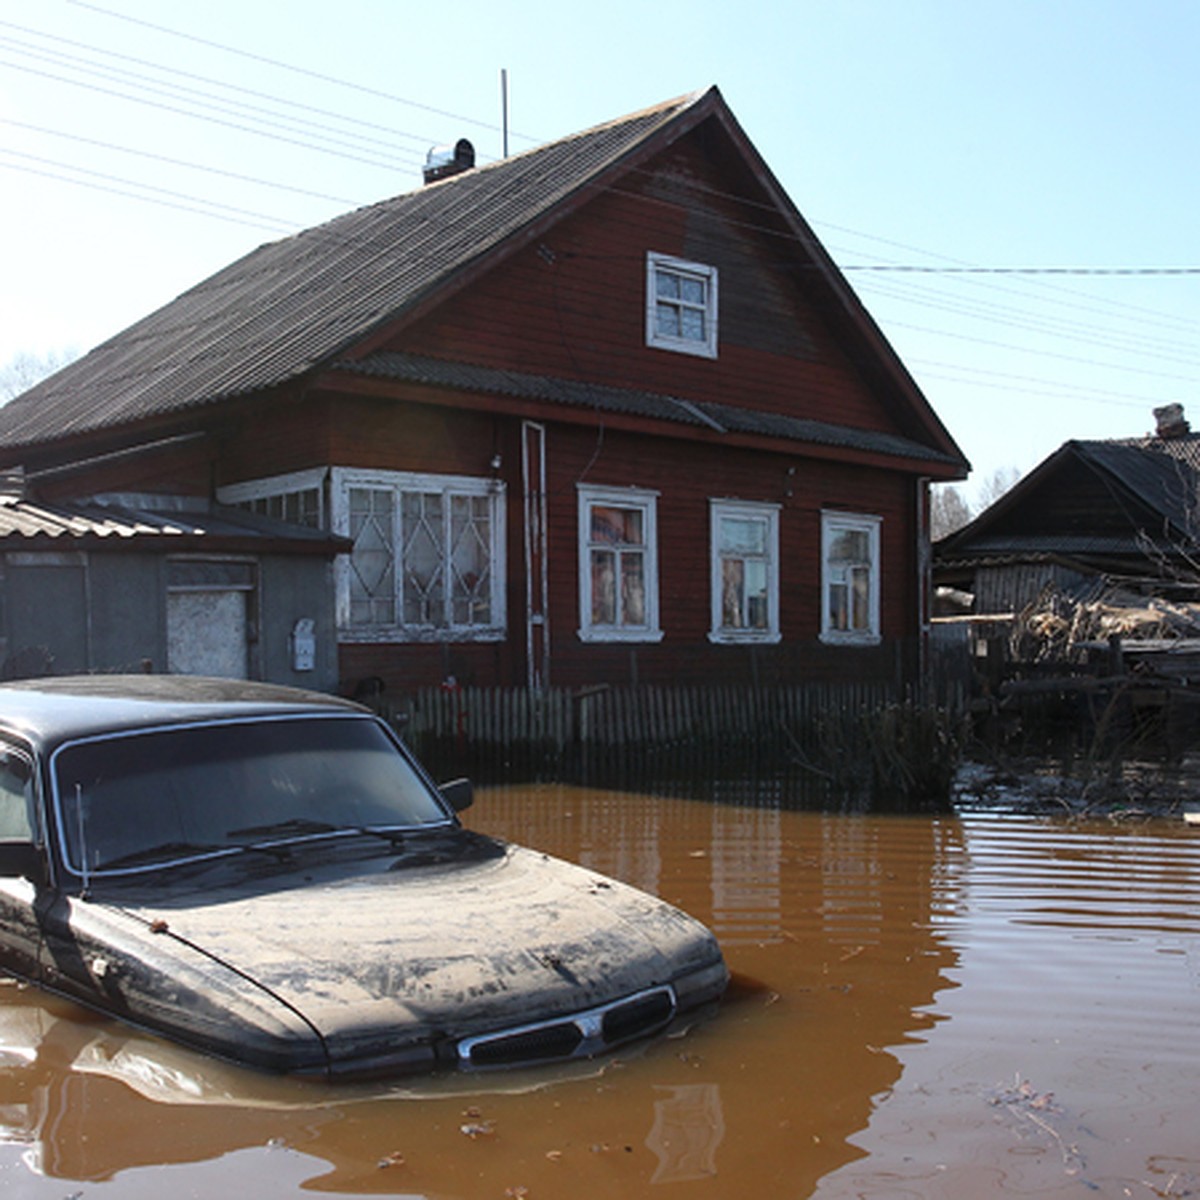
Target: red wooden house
column 603, row 412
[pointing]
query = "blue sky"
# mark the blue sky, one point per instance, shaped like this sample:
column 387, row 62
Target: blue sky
column 1030, row 165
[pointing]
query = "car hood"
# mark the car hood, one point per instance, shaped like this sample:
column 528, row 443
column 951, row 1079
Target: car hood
column 432, row 953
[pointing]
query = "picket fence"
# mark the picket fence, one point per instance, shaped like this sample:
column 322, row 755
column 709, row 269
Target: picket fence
column 519, row 732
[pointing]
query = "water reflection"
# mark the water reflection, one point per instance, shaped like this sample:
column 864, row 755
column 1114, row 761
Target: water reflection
column 688, row 1128
column 829, row 924
column 81, row 1092
column 927, row 1007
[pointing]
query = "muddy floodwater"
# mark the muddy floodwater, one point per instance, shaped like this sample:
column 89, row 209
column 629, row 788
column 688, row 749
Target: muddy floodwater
column 971, row 1006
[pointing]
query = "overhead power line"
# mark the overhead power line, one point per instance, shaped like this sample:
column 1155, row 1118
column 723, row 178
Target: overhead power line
column 758, row 217
column 284, row 66
column 189, row 204
column 1058, row 293
column 174, row 73
column 178, row 162
column 918, row 269
column 228, row 124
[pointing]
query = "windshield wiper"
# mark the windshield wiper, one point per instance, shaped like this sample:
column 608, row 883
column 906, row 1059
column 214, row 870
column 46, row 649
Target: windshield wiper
column 164, row 850
column 395, row 836
column 301, row 826
column 292, row 825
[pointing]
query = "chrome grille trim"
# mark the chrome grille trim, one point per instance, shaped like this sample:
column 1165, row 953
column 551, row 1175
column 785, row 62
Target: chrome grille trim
column 579, row 1034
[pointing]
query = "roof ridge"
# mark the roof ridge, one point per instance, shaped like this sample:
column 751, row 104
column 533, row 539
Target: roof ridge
column 675, row 106
column 669, row 108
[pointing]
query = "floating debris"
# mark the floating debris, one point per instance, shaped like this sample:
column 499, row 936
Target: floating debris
column 1031, row 1107
column 1022, row 1094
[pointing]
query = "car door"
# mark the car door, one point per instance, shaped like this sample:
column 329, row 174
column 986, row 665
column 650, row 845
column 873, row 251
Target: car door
column 21, row 831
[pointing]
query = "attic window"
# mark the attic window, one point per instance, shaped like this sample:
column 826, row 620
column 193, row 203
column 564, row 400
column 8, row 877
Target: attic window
column 681, row 305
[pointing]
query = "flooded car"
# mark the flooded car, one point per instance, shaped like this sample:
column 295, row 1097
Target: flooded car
column 268, row 875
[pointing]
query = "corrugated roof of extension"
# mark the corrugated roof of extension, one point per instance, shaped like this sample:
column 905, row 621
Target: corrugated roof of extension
column 290, row 305
column 720, row 418
column 33, row 524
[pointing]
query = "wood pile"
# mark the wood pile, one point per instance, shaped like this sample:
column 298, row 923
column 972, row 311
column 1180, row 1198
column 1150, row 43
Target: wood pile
column 1060, row 627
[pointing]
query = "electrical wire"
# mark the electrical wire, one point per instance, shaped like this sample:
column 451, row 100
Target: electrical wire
column 179, row 205
column 761, row 217
column 270, row 130
column 176, row 72
column 915, row 269
column 283, row 66
column 180, row 162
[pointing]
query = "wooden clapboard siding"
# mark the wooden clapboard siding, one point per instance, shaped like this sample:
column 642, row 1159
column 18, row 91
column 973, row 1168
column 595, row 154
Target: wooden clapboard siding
column 417, row 334
column 573, row 306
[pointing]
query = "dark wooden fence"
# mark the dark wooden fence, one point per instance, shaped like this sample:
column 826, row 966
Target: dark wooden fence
column 516, row 733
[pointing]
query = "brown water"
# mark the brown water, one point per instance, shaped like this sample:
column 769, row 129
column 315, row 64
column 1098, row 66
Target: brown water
column 924, row 1007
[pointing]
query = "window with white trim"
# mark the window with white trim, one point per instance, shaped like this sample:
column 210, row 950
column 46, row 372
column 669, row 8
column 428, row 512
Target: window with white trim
column 681, row 305
column 744, row 544
column 298, row 497
column 850, row 578
column 428, row 557
column 618, row 565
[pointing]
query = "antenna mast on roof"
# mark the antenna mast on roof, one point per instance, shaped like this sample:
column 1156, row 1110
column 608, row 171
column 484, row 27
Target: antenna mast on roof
column 504, row 107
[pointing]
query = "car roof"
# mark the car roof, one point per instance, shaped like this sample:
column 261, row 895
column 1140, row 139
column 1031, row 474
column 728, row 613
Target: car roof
column 57, row 708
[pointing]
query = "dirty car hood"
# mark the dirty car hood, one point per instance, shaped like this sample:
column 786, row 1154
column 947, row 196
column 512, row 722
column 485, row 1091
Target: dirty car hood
column 419, row 953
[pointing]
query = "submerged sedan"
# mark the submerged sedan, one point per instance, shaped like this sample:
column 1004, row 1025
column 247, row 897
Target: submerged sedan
column 267, row 875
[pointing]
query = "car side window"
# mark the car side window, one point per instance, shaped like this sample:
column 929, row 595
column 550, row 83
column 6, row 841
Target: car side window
column 18, row 803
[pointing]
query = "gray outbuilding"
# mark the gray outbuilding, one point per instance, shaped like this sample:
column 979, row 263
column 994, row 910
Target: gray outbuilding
column 162, row 583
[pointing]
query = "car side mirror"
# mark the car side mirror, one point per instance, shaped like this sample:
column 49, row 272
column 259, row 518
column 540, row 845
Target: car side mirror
column 458, row 793
column 19, row 858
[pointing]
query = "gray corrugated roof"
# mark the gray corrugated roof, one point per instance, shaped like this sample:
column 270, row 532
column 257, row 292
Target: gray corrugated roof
column 291, row 305
column 29, row 521
column 1164, row 473
column 1031, row 546
column 1161, row 474
column 721, row 418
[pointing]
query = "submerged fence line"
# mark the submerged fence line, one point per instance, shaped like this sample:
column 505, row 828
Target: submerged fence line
column 619, row 716
column 520, row 731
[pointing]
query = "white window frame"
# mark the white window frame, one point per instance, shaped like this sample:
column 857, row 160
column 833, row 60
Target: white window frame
column 656, row 263
column 745, row 510
column 343, row 479
column 336, row 517
column 646, row 502
column 833, row 524
column 269, row 487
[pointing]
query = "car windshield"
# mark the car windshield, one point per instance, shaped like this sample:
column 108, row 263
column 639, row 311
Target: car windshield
column 136, row 800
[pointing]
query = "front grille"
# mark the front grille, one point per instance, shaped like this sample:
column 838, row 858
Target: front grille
column 637, row 1017
column 530, row 1045
column 577, row 1036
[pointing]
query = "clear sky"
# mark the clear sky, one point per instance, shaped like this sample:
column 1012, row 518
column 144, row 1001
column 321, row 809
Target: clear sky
column 1030, row 165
